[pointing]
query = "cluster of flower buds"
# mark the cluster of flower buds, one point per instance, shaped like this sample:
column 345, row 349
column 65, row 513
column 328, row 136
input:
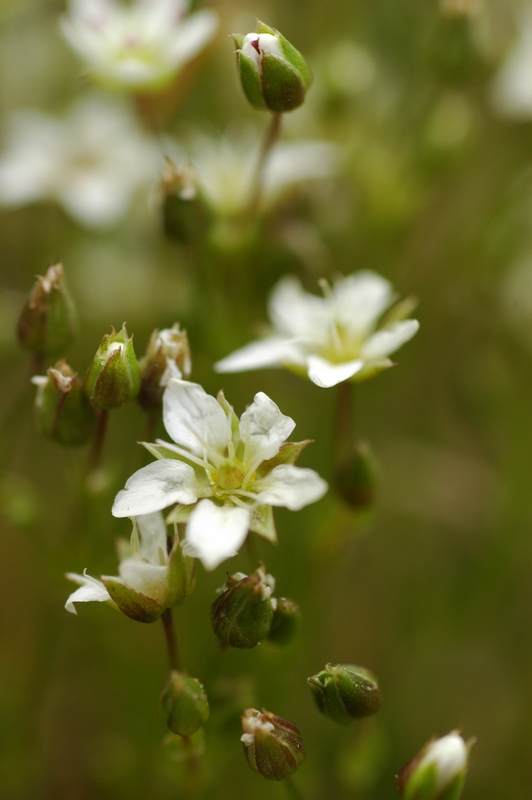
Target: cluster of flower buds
column 274, row 75
column 184, row 704
column 48, row 321
column 437, row 772
column 273, row 746
column 345, row 693
column 245, row 613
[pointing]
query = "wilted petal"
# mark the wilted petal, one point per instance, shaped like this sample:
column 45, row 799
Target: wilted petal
column 155, row 487
column 191, row 416
column 325, row 374
column 389, row 339
column 291, row 487
column 89, row 591
column 215, row 533
column 271, row 352
column 263, row 429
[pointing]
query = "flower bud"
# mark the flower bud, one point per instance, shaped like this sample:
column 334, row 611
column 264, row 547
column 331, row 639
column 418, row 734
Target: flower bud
column 242, row 614
column 48, row 321
column 273, row 746
column 285, row 621
column 113, row 377
column 345, row 693
column 63, row 411
column 357, row 477
column 183, row 704
column 274, row 75
column 437, row 772
column 167, row 356
column 185, row 213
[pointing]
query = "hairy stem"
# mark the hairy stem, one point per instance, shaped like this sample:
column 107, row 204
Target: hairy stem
column 270, row 139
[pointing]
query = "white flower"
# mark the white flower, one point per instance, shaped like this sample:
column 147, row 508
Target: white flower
column 437, row 771
column 139, row 45
column 225, row 169
column 512, row 86
column 334, row 338
column 144, row 586
column 92, row 162
column 244, row 466
column 448, row 755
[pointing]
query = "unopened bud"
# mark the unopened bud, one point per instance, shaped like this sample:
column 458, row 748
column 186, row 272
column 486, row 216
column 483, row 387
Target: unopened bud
column 285, row 621
column 345, row 693
column 437, row 772
column 357, row 476
column 184, row 704
column 273, row 746
column 63, row 411
column 185, row 213
column 242, row 614
column 274, row 75
column 167, row 356
column 113, row 377
column 48, row 321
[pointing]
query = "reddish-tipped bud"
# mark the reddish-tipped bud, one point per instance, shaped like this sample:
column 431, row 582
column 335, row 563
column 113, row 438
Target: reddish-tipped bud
column 48, row 321
column 273, row 746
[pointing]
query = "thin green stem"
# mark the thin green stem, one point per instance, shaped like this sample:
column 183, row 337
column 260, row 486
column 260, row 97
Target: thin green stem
column 292, row 789
column 270, row 139
column 174, row 659
column 344, row 435
column 95, row 454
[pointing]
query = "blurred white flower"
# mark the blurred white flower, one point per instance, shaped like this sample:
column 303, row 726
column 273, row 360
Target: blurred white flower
column 338, row 337
column 91, row 162
column 225, row 169
column 140, row 45
column 244, row 466
column 437, row 771
column 512, row 87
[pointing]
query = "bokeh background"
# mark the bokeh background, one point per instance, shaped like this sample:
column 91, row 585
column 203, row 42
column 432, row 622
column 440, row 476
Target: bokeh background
column 430, row 588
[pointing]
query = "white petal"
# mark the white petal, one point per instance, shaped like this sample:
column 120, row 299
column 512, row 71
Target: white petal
column 90, row 590
column 291, row 487
column 191, row 416
column 359, row 301
column 293, row 162
column 145, row 578
column 295, row 313
column 191, row 36
column 389, row 339
column 263, row 429
column 325, row 374
column 215, row 533
column 271, row 352
column 152, row 531
column 155, row 487
column 512, row 87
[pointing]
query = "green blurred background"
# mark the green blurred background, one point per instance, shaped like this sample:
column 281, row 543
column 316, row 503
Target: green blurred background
column 432, row 589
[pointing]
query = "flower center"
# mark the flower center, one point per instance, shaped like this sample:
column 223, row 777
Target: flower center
column 230, row 475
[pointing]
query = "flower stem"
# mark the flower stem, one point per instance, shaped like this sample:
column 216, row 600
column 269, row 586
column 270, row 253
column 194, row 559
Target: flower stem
column 344, row 423
column 171, row 639
column 292, row 789
column 270, row 139
column 95, row 454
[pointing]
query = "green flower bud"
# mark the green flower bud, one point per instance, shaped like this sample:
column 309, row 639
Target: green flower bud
column 437, row 772
column 183, row 704
column 63, row 411
column 242, row 614
column 285, row 621
column 167, row 356
column 273, row 746
column 357, row 477
column 345, row 693
column 113, row 377
column 185, row 214
column 274, row 75
column 48, row 321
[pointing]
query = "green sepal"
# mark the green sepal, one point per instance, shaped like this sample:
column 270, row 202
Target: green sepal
column 133, row 604
column 250, row 80
column 179, row 577
column 283, row 88
column 263, row 28
column 288, row 453
column 262, row 522
column 242, row 614
column 238, row 39
column 285, row 622
column 184, row 704
column 296, row 59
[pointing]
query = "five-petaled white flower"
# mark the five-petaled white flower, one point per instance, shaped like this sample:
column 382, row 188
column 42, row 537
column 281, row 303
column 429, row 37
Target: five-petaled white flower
column 91, row 162
column 341, row 336
column 245, row 467
column 140, row 45
column 149, row 578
